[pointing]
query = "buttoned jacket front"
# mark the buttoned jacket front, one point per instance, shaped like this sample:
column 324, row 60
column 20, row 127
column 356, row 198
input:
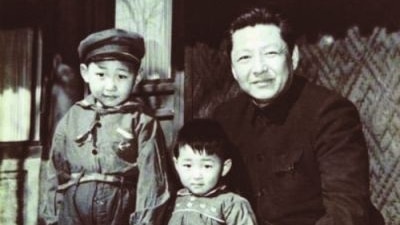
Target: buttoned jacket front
column 123, row 142
column 219, row 207
column 304, row 156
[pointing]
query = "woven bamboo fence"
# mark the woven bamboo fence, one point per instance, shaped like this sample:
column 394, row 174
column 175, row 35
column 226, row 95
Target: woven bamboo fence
column 363, row 68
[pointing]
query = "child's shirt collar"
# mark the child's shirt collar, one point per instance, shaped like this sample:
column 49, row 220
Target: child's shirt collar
column 90, row 103
column 217, row 190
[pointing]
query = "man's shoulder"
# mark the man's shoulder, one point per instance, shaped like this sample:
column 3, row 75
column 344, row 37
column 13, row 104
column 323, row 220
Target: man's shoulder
column 317, row 93
column 316, row 100
column 313, row 88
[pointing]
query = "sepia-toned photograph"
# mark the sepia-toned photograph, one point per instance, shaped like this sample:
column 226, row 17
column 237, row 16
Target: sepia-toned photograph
column 211, row 112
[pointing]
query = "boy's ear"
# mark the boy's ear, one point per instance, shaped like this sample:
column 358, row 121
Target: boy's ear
column 175, row 161
column 84, row 72
column 139, row 76
column 226, row 167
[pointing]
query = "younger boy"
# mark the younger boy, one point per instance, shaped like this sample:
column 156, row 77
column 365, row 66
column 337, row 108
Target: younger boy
column 202, row 159
column 108, row 154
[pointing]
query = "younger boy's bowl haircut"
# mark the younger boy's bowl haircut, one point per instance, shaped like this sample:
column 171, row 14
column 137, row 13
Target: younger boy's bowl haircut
column 204, row 135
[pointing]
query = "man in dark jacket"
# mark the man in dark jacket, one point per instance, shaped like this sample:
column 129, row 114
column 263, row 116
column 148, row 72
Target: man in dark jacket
column 301, row 146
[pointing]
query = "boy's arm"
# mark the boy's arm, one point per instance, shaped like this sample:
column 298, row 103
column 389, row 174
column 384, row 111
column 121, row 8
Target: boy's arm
column 48, row 207
column 152, row 187
column 240, row 213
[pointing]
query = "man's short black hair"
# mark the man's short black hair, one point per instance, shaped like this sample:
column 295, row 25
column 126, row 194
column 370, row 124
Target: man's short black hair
column 266, row 16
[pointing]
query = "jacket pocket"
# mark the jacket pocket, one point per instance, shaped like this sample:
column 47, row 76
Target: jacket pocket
column 289, row 181
column 287, row 163
column 126, row 147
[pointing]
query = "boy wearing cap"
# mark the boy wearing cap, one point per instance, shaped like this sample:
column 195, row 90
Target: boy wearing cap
column 107, row 158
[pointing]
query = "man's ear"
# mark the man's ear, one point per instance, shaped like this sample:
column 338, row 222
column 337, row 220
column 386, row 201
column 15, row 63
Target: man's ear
column 233, row 73
column 84, row 72
column 226, row 167
column 295, row 57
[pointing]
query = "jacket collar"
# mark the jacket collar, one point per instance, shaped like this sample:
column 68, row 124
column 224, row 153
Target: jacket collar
column 278, row 110
column 216, row 191
column 89, row 102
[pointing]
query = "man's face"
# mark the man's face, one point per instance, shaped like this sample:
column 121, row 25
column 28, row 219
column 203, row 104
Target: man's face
column 110, row 81
column 198, row 172
column 260, row 61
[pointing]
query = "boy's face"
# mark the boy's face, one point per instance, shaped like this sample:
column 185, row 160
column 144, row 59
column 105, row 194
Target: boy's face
column 199, row 172
column 110, row 81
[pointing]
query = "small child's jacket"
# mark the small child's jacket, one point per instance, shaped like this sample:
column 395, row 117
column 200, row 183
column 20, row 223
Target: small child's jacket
column 106, row 163
column 218, row 207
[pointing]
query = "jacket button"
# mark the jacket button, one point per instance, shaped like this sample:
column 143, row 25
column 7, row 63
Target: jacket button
column 100, row 202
